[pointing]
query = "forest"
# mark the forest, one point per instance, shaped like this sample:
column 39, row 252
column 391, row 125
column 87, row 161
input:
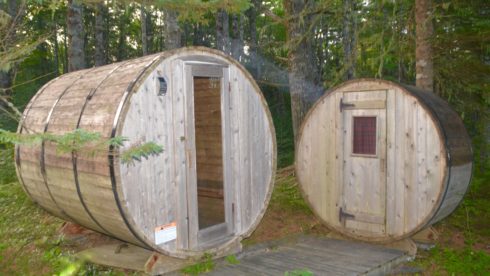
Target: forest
column 295, row 50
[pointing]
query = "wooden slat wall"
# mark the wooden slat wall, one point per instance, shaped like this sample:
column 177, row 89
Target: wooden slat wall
column 30, row 156
column 253, row 161
column 93, row 172
column 59, row 166
column 416, row 164
column 149, row 186
column 152, row 192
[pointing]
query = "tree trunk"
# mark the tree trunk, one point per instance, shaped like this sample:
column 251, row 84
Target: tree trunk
column 302, row 70
column 173, row 36
column 252, row 20
column 76, row 47
column 424, row 66
column 144, row 34
column 349, row 39
column 124, row 21
column 100, row 35
column 237, row 37
column 12, row 8
column 222, row 31
column 65, row 52
column 56, row 51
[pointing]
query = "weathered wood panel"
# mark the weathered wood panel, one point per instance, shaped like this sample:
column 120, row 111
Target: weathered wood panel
column 418, row 183
column 129, row 201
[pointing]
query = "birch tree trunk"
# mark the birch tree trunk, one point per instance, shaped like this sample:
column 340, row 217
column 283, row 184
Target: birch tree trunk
column 223, row 31
column 76, row 45
column 100, row 35
column 424, row 66
column 173, row 36
column 302, row 70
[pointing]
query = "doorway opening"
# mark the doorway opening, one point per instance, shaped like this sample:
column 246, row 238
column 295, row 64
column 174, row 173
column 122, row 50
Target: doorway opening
column 209, row 151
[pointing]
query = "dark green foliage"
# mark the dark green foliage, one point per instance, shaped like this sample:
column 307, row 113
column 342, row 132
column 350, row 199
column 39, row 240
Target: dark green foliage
column 472, row 217
column 280, row 107
column 7, row 169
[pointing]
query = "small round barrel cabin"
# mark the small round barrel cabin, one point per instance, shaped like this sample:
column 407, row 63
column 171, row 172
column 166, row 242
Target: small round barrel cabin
column 206, row 191
column 380, row 161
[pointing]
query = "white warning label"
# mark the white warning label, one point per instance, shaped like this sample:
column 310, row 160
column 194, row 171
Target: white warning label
column 166, row 233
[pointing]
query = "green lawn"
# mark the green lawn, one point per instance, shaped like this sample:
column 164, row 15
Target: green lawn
column 30, row 242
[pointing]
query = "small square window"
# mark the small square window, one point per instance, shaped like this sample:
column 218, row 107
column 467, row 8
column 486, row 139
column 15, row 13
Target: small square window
column 364, row 135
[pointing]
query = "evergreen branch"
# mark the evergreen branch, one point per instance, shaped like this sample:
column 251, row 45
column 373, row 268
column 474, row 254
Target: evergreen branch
column 137, row 152
column 85, row 142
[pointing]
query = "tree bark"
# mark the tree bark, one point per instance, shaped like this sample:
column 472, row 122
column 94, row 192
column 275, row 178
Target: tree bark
column 100, row 35
column 252, row 20
column 349, row 39
column 56, row 51
column 124, row 21
column 144, row 34
column 424, row 66
column 223, row 31
column 76, row 47
column 303, row 73
column 12, row 8
column 237, row 37
column 173, row 36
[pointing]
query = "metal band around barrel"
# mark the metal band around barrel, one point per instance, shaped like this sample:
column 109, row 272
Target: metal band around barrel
column 74, row 155
column 111, row 150
column 42, row 157
column 21, row 127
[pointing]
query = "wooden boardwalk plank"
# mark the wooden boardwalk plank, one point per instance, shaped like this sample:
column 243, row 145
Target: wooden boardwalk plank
column 315, row 254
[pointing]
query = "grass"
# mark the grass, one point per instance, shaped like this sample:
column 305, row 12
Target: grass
column 464, row 244
column 28, row 234
column 231, row 259
column 451, row 261
column 299, row 272
column 30, row 243
column 204, row 266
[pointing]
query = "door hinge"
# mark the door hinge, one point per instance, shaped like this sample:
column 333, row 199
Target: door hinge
column 343, row 105
column 344, row 215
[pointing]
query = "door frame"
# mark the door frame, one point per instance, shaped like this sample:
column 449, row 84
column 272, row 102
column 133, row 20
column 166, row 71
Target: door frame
column 202, row 239
column 371, row 106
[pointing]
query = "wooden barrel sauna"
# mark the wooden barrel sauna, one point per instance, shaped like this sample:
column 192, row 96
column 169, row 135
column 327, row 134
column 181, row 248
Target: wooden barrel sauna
column 208, row 189
column 380, row 161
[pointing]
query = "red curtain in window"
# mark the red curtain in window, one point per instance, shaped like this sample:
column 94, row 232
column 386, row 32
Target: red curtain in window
column 364, row 135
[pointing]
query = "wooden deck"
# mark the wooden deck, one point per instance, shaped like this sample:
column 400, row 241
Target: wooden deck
column 321, row 256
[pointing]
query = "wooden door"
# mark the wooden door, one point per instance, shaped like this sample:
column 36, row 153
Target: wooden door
column 363, row 198
column 210, row 205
